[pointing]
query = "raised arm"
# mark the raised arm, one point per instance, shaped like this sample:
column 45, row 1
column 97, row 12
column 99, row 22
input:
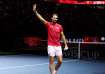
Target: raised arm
column 38, row 15
column 64, row 39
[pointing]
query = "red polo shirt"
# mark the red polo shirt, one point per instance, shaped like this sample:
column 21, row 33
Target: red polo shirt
column 54, row 33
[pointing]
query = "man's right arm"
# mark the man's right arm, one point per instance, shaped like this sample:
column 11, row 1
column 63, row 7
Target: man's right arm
column 38, row 15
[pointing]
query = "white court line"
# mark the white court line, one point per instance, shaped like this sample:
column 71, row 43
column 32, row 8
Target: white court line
column 14, row 67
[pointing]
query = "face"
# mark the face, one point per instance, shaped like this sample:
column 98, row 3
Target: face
column 54, row 18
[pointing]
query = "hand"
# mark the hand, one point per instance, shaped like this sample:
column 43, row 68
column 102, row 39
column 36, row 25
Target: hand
column 66, row 48
column 34, row 7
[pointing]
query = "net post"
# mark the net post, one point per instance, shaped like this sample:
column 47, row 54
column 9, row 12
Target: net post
column 79, row 50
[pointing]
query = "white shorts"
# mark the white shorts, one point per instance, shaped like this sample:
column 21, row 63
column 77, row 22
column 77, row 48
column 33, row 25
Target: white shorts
column 54, row 50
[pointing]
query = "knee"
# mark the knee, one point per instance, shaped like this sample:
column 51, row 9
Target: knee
column 60, row 62
column 51, row 62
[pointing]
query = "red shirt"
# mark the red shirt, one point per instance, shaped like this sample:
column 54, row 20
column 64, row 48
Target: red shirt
column 54, row 33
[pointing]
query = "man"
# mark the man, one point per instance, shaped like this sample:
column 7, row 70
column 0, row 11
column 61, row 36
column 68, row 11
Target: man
column 55, row 32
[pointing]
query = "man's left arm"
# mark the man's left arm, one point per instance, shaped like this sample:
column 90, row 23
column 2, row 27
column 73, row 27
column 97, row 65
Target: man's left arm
column 64, row 39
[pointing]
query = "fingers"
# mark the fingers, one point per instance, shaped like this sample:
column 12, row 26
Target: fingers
column 34, row 7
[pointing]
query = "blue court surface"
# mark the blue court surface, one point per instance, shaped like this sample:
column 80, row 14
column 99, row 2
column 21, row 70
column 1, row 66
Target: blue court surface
column 34, row 64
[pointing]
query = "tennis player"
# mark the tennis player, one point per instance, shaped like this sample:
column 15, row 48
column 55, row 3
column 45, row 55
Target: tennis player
column 55, row 34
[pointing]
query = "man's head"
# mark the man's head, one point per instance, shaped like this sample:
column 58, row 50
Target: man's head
column 54, row 17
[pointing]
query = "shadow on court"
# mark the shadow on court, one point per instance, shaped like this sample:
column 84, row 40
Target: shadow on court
column 34, row 64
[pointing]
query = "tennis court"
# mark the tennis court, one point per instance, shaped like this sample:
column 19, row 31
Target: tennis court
column 35, row 64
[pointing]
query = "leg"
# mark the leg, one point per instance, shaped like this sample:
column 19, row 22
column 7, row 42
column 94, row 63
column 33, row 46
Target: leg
column 59, row 57
column 51, row 64
column 58, row 63
column 51, row 53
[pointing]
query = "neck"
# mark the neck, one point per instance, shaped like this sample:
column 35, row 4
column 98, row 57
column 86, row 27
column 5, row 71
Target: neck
column 53, row 23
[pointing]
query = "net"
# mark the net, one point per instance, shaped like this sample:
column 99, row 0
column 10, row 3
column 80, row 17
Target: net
column 79, row 50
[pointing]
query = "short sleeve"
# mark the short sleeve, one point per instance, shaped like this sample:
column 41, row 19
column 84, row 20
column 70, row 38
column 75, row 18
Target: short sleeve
column 61, row 28
column 47, row 23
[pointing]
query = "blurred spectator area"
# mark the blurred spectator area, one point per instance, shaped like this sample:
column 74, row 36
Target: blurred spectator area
column 34, row 42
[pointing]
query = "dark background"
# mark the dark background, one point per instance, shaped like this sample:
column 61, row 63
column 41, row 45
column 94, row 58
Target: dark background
column 17, row 20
